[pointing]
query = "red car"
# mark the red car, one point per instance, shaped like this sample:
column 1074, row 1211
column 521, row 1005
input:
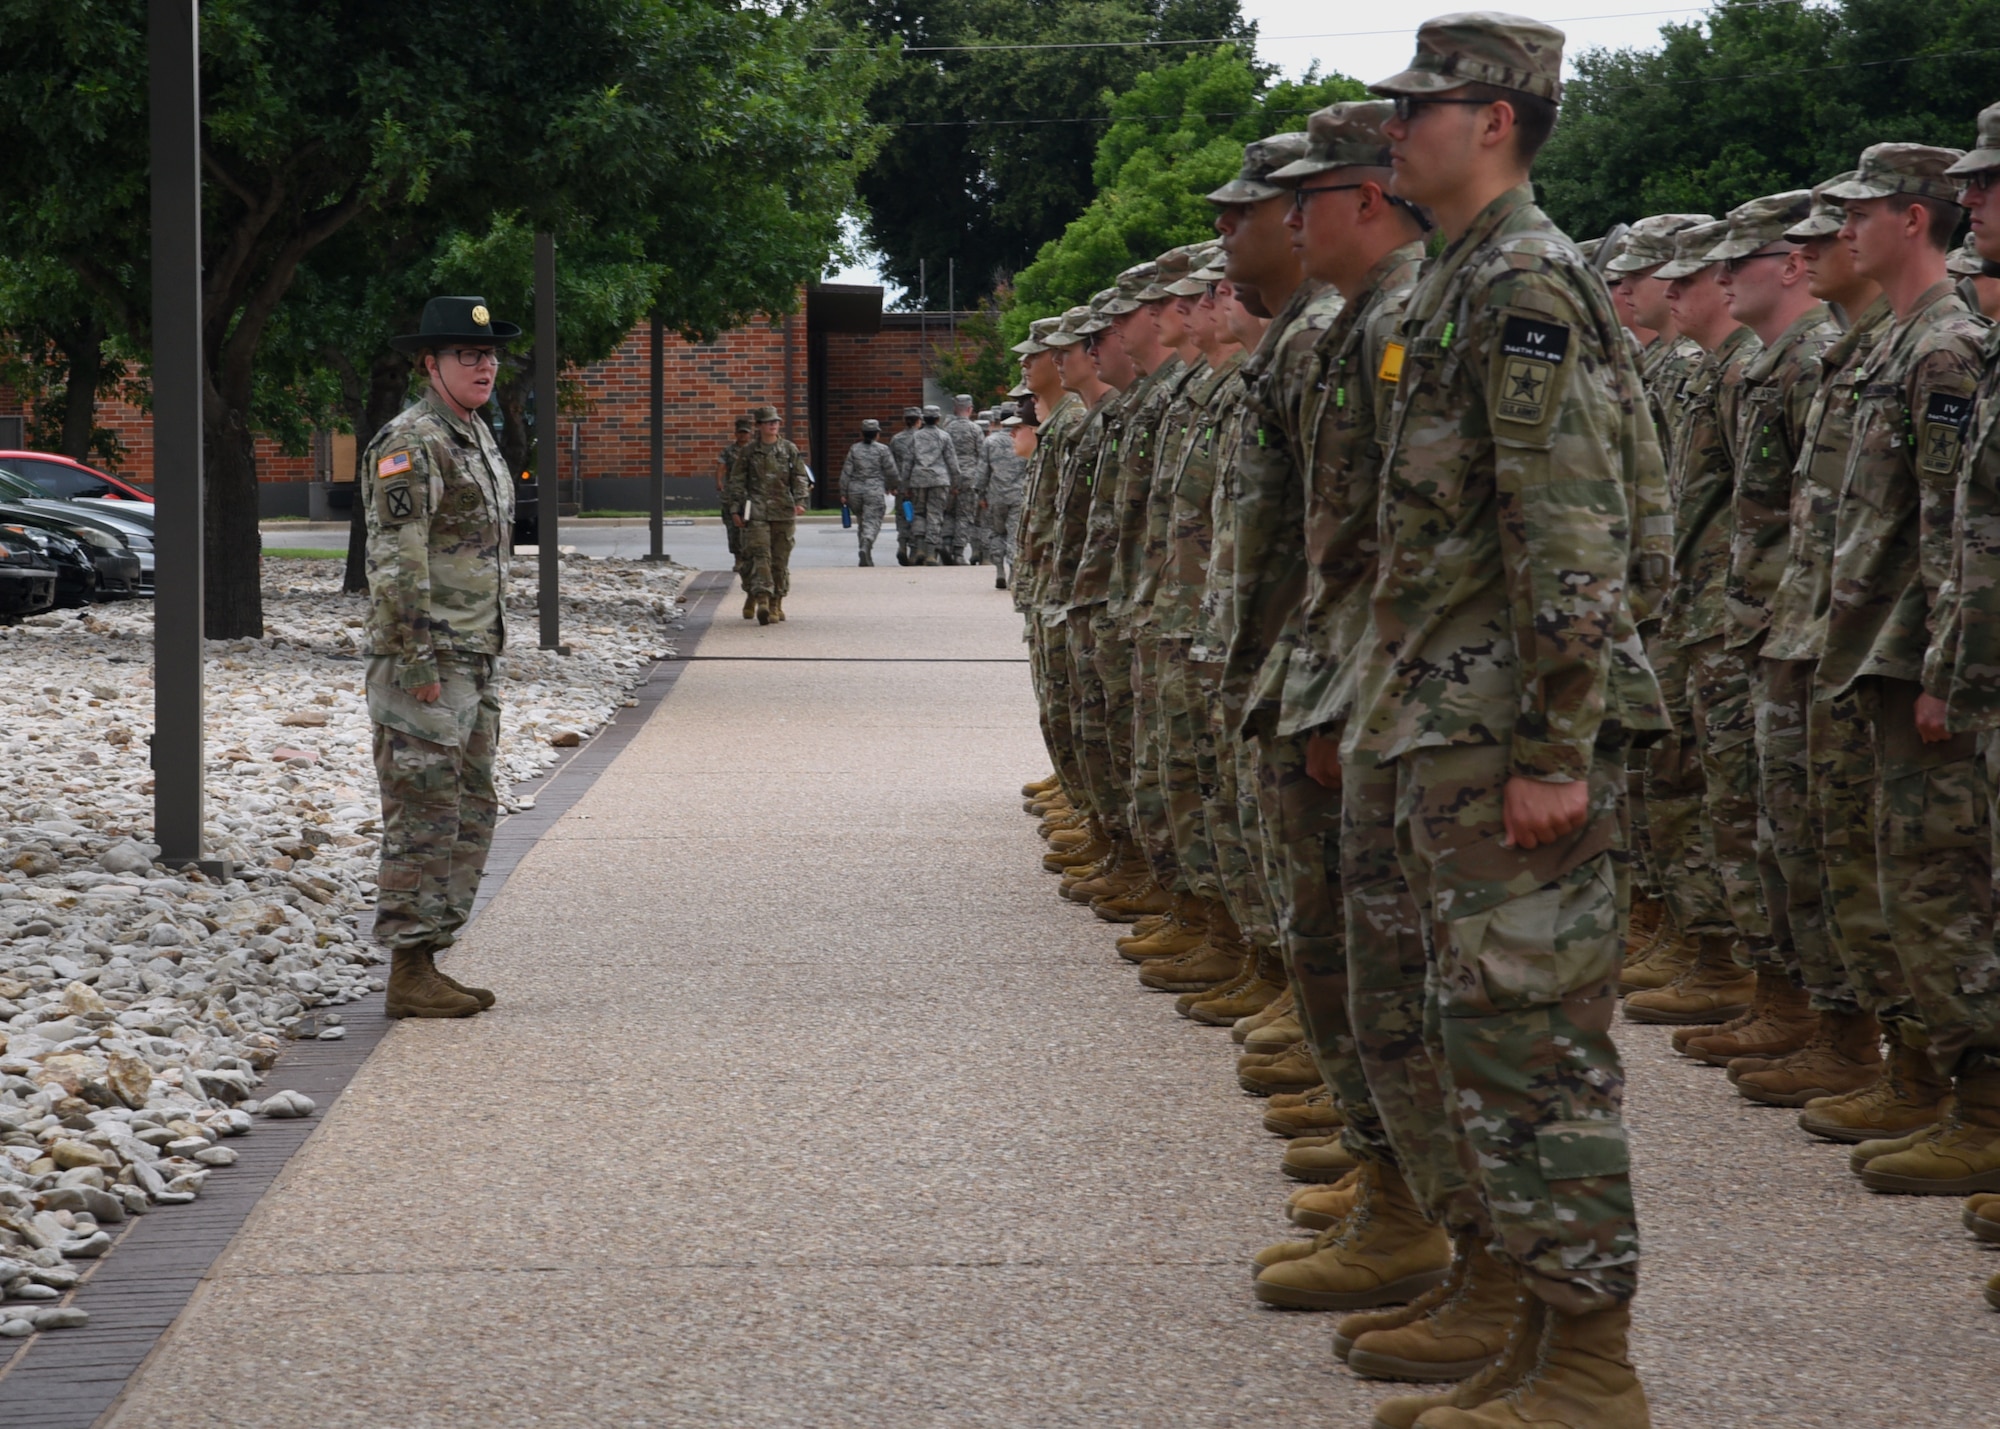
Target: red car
column 68, row 480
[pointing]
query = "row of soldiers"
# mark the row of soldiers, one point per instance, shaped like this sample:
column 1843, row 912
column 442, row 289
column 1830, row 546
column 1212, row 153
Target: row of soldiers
column 1396, row 587
column 955, row 487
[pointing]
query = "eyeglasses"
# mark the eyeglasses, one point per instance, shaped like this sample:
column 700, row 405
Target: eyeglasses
column 474, row 356
column 1978, row 183
column 1732, row 266
column 1407, row 105
column 1299, row 196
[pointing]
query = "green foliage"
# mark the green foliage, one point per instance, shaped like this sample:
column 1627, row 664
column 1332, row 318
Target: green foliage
column 981, row 363
column 1759, row 99
column 986, row 159
column 1179, row 134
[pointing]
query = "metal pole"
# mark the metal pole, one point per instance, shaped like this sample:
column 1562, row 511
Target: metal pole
column 174, row 61
column 548, row 443
column 658, row 456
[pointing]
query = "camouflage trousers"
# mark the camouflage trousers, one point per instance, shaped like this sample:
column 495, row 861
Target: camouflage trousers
column 967, row 529
column 868, row 503
column 1787, row 851
column 1934, row 860
column 1526, row 947
column 1112, row 657
column 767, row 556
column 1184, row 742
column 1089, row 731
column 905, row 521
column 734, row 535
column 1002, row 521
column 1725, row 725
column 1239, row 862
column 1151, row 824
column 439, row 803
column 1679, row 849
column 930, row 532
column 1840, row 754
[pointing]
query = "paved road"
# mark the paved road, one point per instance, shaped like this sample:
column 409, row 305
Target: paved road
column 821, row 543
column 808, row 1104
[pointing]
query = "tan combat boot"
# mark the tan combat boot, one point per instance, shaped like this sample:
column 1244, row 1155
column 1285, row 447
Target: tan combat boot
column 1146, row 899
column 1322, row 1207
column 749, row 607
column 1275, row 1035
column 1355, row 1185
column 777, row 607
column 1086, row 855
column 1670, row 954
column 1350, row 1328
column 1316, row 1160
column 1222, row 1008
column 1047, row 784
column 1581, row 1378
column 763, row 610
column 1387, row 1253
column 1310, row 1113
column 481, row 995
column 1982, row 1216
column 1517, row 1355
column 1115, row 876
column 1845, row 1055
column 1993, row 1292
column 1217, row 959
column 1960, row 1157
column 1068, row 836
column 1244, row 976
column 1454, row 1339
column 1642, row 927
column 1903, row 1100
column 1292, row 1070
column 1781, row 1021
column 1182, row 931
column 1713, row 990
column 1278, row 1011
column 416, row 990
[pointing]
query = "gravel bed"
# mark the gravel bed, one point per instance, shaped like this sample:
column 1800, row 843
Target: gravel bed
column 140, row 1005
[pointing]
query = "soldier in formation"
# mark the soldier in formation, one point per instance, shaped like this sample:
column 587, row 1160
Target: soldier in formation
column 965, row 537
column 1433, row 651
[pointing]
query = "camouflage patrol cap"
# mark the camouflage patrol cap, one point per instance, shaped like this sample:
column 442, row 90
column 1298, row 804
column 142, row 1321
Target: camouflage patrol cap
column 1762, row 222
column 1589, row 247
column 1341, row 136
column 1169, row 268
column 743, row 424
column 1693, row 249
column 1917, row 170
column 1985, row 152
column 961, row 399
column 766, row 413
column 1019, row 389
column 1482, row 47
column 1964, row 261
column 1650, row 241
column 1261, row 159
column 1065, row 333
column 869, row 424
column 1028, row 346
column 1125, row 293
column 931, row 410
column 1826, row 216
column 1205, row 259
column 1096, row 321
column 909, row 412
column 1007, row 409
column 1038, row 330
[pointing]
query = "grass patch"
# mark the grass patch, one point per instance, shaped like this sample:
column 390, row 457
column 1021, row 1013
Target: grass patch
column 276, row 520
column 671, row 513
column 305, row 553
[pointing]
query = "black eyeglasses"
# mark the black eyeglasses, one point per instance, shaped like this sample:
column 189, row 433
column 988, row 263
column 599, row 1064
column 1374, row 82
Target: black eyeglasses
column 1408, row 104
column 475, row 356
column 1299, row 196
column 1735, row 265
column 1978, row 183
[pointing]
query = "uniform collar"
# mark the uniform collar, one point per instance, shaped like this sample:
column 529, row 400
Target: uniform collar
column 459, row 426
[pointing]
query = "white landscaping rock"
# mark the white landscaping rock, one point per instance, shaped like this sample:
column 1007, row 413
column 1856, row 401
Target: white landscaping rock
column 285, row 1106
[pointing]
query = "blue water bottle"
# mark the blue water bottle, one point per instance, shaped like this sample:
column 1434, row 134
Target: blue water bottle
column 846, row 518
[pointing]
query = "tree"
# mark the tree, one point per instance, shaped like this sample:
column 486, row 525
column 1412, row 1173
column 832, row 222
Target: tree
column 989, row 155
column 631, row 113
column 1179, row 135
column 56, row 350
column 1759, row 99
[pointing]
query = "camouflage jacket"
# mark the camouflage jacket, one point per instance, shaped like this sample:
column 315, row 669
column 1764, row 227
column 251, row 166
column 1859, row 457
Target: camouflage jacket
column 1703, row 481
column 901, row 448
column 1215, row 412
column 933, row 458
column 1270, row 511
column 1665, row 367
column 1518, row 438
column 1170, row 449
column 965, row 442
column 867, row 462
column 1798, row 608
column 1038, row 504
column 1892, row 534
column 1099, row 551
column 771, row 478
column 725, row 459
column 1352, row 387
column 1084, row 459
column 1962, row 667
column 1001, row 475
column 1138, row 468
column 1771, row 434
column 439, row 508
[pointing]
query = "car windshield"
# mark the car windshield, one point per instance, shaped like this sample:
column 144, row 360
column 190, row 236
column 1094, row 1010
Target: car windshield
column 15, row 488
column 58, row 479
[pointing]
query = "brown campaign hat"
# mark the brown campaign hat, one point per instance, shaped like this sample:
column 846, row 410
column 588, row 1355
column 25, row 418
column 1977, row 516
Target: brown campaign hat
column 1482, row 47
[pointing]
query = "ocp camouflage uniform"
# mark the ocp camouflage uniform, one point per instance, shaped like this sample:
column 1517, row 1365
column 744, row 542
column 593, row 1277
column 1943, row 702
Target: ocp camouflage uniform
column 1083, row 464
column 438, row 507
column 725, row 459
column 771, row 478
column 1000, row 486
column 1048, row 632
column 962, row 524
column 867, row 484
column 1505, row 647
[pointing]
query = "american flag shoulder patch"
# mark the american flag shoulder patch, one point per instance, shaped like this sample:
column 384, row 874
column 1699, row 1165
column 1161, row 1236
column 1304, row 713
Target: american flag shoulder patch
column 393, row 464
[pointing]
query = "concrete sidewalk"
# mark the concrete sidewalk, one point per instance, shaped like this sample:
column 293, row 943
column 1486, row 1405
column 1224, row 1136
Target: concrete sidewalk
column 808, row 1103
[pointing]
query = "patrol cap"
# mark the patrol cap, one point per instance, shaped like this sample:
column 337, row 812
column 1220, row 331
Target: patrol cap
column 869, row 424
column 1341, row 136
column 931, row 410
column 1193, row 284
column 909, row 412
column 1964, row 261
column 1169, row 268
column 1985, row 152
column 1095, row 321
column 1019, row 389
column 1886, row 170
column 1482, row 47
column 1650, row 241
column 1692, row 249
column 1762, row 222
column 1261, row 159
column 766, row 413
column 962, row 399
column 743, row 424
column 1065, row 333
column 1014, row 422
column 1125, row 292
column 1827, row 214
column 1007, row 409
column 1027, row 347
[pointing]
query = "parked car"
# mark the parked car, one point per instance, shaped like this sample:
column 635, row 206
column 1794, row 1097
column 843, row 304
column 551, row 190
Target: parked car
column 113, row 570
column 68, row 480
column 27, row 579
column 131, row 528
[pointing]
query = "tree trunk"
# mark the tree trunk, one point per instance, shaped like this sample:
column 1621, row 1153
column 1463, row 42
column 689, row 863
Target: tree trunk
column 233, row 551
column 85, row 350
column 388, row 386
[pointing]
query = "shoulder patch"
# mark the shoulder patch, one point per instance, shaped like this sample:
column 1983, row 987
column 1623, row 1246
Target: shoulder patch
column 1536, row 339
column 394, row 464
column 1945, row 416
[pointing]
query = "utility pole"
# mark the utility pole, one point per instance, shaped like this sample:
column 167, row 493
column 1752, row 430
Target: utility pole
column 548, row 446
column 174, row 63
column 657, row 457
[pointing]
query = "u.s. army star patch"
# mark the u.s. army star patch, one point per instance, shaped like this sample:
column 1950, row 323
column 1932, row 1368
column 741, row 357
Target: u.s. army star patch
column 1533, row 350
column 1945, row 416
column 397, row 498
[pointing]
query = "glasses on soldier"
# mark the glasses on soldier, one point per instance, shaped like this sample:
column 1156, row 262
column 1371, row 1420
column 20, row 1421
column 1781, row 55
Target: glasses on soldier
column 1407, row 105
column 475, row 356
column 1978, row 183
column 1299, row 196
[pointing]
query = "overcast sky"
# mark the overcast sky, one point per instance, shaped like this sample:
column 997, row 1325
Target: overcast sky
column 1373, row 41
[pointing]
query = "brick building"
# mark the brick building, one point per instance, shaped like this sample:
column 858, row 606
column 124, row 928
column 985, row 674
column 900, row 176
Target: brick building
column 838, row 360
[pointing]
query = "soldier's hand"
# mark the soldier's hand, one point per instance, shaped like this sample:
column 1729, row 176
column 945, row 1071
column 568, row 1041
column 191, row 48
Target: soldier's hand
column 1323, row 761
column 429, row 694
column 1537, row 813
column 798, row 511
column 1930, row 720
column 737, row 519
